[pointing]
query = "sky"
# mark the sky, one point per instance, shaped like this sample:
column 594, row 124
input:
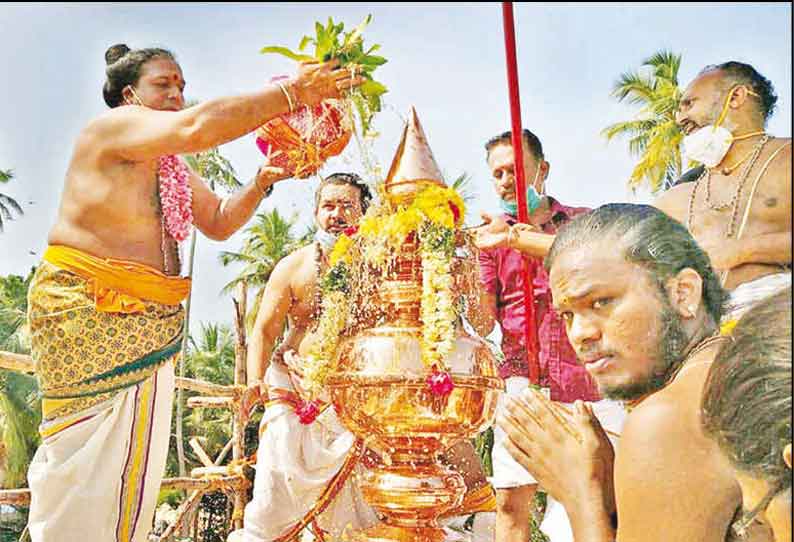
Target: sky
column 447, row 60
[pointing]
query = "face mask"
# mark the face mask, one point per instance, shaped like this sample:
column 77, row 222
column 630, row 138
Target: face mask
column 326, row 240
column 710, row 144
column 533, row 199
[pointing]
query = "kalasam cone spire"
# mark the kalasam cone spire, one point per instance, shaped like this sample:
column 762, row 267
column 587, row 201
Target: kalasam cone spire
column 413, row 166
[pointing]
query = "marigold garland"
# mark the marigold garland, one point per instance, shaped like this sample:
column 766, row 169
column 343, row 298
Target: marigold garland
column 431, row 217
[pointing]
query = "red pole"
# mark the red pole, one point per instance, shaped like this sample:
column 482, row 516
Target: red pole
column 530, row 331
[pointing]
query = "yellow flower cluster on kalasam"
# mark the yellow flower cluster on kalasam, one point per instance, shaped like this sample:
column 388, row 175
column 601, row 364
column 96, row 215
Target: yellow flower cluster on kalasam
column 432, row 218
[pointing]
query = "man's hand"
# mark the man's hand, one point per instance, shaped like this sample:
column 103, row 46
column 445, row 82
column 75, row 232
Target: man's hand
column 253, row 395
column 267, row 175
column 492, row 234
column 316, row 82
column 569, row 454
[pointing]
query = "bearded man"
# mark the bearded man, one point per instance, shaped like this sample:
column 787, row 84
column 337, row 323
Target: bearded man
column 739, row 207
column 641, row 306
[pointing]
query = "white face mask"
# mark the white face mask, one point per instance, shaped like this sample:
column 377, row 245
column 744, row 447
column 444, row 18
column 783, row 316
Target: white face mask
column 326, row 240
column 708, row 145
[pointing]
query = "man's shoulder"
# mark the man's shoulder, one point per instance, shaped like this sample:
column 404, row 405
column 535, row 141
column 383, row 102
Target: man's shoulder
column 296, row 258
column 671, row 413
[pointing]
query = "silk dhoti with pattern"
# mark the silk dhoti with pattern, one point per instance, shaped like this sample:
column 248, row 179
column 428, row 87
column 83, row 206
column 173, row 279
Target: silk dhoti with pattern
column 104, row 334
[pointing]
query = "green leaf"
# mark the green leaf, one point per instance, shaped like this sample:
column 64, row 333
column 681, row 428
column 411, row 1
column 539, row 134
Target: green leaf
column 356, row 33
column 372, row 60
column 306, row 41
column 285, row 52
column 373, row 88
column 372, row 49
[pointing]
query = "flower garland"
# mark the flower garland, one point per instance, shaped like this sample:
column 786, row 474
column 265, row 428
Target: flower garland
column 437, row 246
column 432, row 216
column 334, row 315
column 175, row 197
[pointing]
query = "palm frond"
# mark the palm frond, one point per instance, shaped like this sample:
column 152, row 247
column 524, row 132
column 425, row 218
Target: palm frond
column 653, row 135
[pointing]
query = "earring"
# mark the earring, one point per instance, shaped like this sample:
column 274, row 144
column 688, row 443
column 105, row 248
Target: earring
column 691, row 310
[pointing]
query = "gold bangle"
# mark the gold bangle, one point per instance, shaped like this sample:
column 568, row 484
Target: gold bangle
column 286, row 95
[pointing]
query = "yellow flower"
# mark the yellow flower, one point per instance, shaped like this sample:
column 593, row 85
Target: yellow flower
column 341, row 250
column 727, row 327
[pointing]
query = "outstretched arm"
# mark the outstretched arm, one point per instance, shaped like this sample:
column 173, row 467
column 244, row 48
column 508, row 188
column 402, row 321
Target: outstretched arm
column 138, row 133
column 496, row 233
column 218, row 218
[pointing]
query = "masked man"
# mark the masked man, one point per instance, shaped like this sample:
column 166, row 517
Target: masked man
column 298, row 457
column 641, row 307
column 104, row 309
column 504, row 247
column 739, row 207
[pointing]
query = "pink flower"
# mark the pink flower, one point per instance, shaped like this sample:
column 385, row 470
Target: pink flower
column 307, row 411
column 440, row 382
column 175, row 197
column 350, row 231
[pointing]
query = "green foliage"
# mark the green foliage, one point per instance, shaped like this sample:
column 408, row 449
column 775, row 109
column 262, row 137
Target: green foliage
column 210, row 358
column 653, row 134
column 267, row 240
column 212, row 166
column 332, row 43
column 20, row 416
column 13, row 312
column 438, row 238
column 7, row 203
column 171, row 497
column 337, row 279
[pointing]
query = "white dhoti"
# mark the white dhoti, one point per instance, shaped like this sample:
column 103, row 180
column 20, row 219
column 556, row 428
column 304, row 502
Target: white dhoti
column 508, row 473
column 747, row 294
column 295, row 464
column 97, row 473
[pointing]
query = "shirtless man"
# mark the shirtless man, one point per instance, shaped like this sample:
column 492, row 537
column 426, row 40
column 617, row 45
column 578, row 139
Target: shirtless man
column 739, row 209
column 296, row 461
column 104, row 312
column 641, row 306
column 287, row 484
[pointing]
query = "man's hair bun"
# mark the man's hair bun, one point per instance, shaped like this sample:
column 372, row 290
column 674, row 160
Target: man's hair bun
column 115, row 52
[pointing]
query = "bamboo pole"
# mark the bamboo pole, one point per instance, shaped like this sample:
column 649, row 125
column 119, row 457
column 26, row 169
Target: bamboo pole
column 19, row 363
column 15, row 497
column 238, row 423
column 210, row 402
column 207, row 388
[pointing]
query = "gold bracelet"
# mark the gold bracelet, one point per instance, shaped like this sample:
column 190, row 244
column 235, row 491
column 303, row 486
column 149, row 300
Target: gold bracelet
column 286, row 95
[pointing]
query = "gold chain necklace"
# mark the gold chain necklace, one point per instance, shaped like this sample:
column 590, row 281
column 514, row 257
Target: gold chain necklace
column 734, row 201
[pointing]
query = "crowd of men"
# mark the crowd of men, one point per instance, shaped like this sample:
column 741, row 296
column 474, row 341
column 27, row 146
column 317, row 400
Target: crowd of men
column 655, row 323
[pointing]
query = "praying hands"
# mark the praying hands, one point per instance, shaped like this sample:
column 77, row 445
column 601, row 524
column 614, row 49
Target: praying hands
column 569, row 455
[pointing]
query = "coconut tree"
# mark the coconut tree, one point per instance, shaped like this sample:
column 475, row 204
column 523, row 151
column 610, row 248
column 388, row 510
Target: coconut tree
column 7, row 203
column 653, row 134
column 270, row 238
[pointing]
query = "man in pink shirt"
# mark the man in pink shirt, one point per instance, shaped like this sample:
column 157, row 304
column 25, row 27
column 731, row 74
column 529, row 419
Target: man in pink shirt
column 502, row 276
